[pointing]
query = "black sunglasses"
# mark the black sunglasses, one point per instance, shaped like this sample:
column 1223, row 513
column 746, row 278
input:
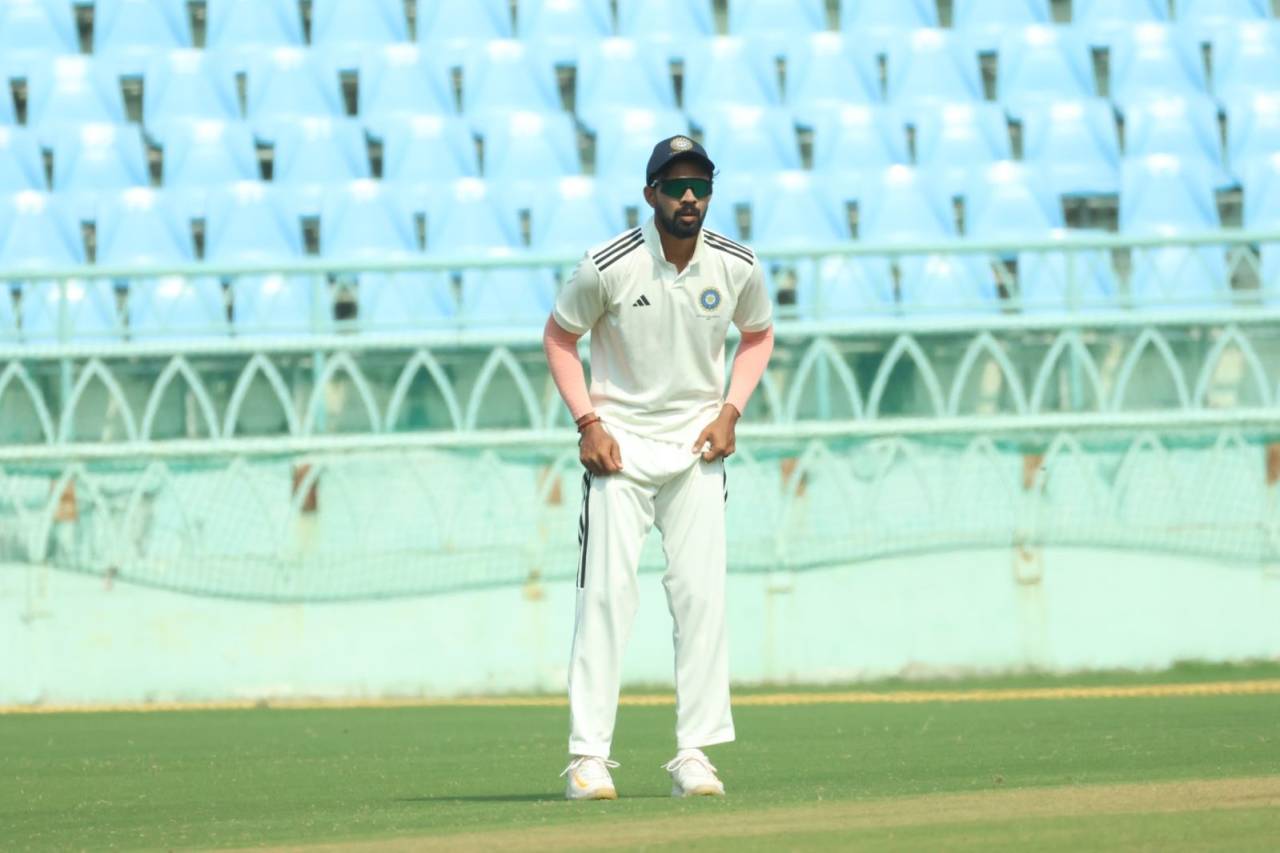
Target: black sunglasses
column 676, row 187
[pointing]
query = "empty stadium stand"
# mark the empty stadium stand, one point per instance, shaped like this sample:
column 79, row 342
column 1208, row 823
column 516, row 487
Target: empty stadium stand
column 495, row 127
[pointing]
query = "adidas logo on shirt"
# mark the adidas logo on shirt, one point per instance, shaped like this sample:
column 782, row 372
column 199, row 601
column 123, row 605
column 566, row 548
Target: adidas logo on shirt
column 641, row 302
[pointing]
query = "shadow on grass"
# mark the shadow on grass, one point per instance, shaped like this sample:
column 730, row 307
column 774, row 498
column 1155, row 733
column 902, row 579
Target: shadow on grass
column 510, row 798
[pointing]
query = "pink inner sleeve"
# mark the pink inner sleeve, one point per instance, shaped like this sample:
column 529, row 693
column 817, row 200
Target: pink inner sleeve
column 561, row 348
column 749, row 363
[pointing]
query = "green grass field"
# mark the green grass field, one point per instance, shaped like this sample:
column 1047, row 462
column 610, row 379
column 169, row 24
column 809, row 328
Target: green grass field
column 1166, row 773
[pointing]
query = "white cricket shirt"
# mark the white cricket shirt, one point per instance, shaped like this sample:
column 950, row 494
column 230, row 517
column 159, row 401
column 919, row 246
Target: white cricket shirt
column 657, row 336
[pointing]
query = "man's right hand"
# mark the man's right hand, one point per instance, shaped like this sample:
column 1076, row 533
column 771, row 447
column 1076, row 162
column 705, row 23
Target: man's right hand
column 597, row 450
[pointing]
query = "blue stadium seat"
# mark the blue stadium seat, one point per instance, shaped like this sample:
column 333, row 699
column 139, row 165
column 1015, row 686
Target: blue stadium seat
column 34, row 235
column 793, row 208
column 827, row 72
column 362, row 220
column 71, row 90
column 138, row 227
column 344, row 23
column 21, row 163
column 99, row 156
column 1100, row 21
column 617, row 74
column 954, row 140
column 500, row 76
column 931, row 67
column 1066, row 281
column 248, row 24
column 839, row 288
column 455, row 29
column 463, row 220
column 1074, row 145
column 623, row 145
column 206, row 153
column 398, row 79
column 947, row 284
column 1246, row 60
column 676, row 21
column 1009, row 200
column 1206, row 17
column 902, row 204
column 508, row 298
column 90, row 307
column 982, row 23
column 33, row 30
column 288, row 83
column 405, row 301
column 571, row 214
column 751, row 140
column 1179, row 277
column 1161, row 194
column 183, row 84
column 877, row 24
column 319, row 150
column 426, row 148
column 248, row 223
column 1183, row 127
column 777, row 19
column 526, row 146
column 1042, row 64
column 1155, row 61
column 857, row 139
column 1261, row 184
column 175, row 306
column 128, row 32
column 274, row 305
column 560, row 28
column 1253, row 130
column 727, row 72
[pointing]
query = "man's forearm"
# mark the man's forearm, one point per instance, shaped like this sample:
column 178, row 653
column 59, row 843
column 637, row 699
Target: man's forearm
column 749, row 363
column 561, row 348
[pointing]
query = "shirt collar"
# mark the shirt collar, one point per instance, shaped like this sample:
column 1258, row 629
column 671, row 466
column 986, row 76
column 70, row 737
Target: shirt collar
column 651, row 239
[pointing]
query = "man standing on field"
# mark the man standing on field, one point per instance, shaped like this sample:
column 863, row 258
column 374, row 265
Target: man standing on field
column 655, row 431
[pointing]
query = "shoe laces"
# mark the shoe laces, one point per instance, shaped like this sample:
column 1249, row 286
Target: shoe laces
column 681, row 760
column 590, row 763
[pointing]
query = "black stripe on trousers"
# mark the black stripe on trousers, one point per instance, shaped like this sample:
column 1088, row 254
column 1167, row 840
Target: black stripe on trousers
column 583, row 524
column 724, row 483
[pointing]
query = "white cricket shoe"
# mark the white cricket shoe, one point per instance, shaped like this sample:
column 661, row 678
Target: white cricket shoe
column 589, row 779
column 692, row 775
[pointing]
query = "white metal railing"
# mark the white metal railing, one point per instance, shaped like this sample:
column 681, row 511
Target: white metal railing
column 1241, row 261
column 1218, row 362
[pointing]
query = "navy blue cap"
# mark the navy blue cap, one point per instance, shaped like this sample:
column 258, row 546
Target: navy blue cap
column 675, row 148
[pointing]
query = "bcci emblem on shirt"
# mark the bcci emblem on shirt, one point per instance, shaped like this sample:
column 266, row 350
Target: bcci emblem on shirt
column 709, row 299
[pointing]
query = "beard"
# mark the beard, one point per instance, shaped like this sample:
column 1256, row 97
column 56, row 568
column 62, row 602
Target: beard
column 677, row 227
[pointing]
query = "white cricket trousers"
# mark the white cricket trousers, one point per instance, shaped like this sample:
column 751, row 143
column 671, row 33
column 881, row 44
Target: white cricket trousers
column 668, row 485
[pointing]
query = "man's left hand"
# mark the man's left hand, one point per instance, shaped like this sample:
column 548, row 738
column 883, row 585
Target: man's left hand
column 717, row 441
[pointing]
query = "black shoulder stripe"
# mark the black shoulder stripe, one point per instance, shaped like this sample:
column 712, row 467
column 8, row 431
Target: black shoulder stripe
column 630, row 235
column 604, row 258
column 723, row 239
column 620, row 254
column 729, row 244
column 729, row 251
